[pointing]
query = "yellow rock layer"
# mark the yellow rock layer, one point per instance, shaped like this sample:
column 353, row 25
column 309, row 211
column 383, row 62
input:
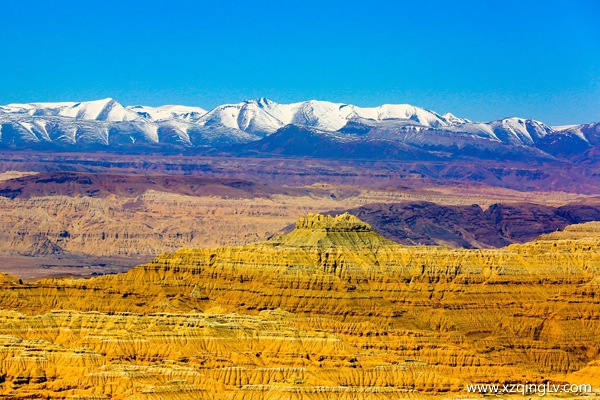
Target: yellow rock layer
column 329, row 311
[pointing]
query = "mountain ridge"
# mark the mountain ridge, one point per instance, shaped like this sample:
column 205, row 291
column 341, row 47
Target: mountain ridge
column 107, row 124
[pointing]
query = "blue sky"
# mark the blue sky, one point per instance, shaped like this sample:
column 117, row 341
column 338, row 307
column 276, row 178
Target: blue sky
column 477, row 59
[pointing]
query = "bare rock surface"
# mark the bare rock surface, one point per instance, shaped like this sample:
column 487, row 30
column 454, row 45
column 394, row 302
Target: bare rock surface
column 331, row 310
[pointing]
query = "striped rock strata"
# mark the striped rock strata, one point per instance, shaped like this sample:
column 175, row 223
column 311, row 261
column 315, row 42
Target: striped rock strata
column 331, row 310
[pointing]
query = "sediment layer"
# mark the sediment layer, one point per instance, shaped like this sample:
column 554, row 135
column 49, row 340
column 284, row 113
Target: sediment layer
column 331, row 310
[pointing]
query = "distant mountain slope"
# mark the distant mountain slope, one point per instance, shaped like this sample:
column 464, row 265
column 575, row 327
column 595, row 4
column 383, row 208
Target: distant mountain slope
column 471, row 226
column 132, row 185
column 310, row 128
column 293, row 140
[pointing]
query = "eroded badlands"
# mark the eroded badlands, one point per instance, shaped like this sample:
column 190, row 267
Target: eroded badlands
column 330, row 310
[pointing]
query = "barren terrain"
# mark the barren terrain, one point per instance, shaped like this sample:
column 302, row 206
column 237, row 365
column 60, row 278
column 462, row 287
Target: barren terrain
column 224, row 304
column 330, row 310
column 124, row 217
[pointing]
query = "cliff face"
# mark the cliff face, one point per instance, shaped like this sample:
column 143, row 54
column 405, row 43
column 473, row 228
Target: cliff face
column 331, row 310
column 148, row 224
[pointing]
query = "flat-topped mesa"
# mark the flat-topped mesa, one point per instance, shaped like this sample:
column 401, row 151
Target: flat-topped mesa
column 328, row 231
column 327, row 223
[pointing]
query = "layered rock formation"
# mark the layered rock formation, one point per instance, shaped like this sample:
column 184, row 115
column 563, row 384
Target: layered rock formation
column 59, row 223
column 149, row 223
column 108, row 215
column 330, row 310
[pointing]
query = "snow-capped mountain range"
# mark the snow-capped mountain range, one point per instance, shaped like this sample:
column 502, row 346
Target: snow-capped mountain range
column 255, row 125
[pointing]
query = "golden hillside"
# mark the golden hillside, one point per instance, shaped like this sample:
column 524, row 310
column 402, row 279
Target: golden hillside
column 331, row 310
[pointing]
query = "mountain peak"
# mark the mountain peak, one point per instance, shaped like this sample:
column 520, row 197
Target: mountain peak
column 107, row 109
column 263, row 101
column 316, row 230
column 105, row 101
column 327, row 223
column 453, row 119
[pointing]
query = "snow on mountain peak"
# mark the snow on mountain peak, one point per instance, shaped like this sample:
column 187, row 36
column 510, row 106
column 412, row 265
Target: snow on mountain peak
column 266, row 116
column 100, row 110
column 264, row 102
column 108, row 123
column 168, row 112
column 519, row 131
column 262, row 115
column 452, row 119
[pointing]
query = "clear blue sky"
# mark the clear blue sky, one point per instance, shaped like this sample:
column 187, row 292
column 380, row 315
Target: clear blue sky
column 477, row 59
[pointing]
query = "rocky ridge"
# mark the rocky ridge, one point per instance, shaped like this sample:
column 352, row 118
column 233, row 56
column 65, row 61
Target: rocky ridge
column 310, row 128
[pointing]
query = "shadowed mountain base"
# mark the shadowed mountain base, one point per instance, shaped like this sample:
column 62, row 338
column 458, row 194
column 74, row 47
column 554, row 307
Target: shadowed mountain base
column 426, row 223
